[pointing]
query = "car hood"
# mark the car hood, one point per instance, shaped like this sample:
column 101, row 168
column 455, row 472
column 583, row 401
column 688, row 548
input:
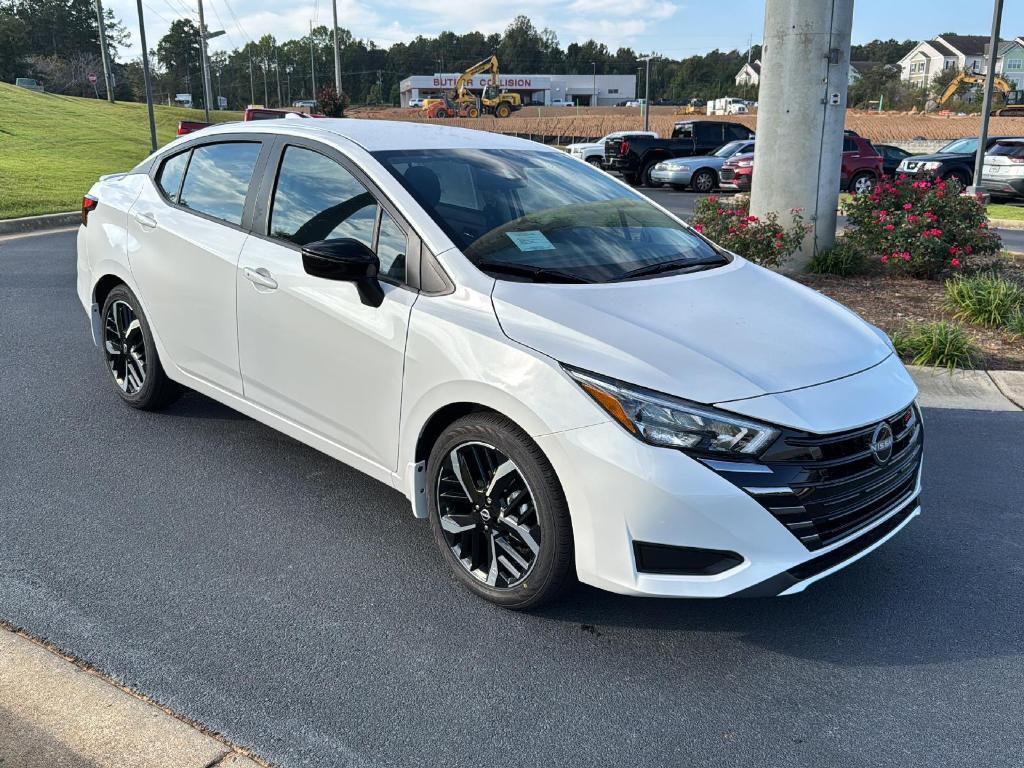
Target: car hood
column 708, row 161
column 941, row 157
column 730, row 333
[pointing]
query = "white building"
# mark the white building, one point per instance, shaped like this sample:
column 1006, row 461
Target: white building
column 749, row 74
column 931, row 57
column 585, row 90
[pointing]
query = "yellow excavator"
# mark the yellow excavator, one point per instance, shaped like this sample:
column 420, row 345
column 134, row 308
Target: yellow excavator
column 1013, row 99
column 464, row 103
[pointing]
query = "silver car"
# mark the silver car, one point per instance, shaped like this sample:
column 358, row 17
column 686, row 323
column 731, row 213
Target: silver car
column 698, row 173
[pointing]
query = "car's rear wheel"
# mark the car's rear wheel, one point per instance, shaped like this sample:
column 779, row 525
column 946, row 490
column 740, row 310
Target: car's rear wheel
column 863, row 183
column 703, row 181
column 646, row 175
column 498, row 512
column 130, row 353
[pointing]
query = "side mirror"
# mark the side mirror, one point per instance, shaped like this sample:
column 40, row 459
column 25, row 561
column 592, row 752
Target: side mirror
column 349, row 260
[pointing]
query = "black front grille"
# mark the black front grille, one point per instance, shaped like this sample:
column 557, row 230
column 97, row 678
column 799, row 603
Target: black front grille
column 727, row 174
column 826, row 487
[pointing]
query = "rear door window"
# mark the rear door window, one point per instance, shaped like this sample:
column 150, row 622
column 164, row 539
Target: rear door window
column 171, row 174
column 849, row 145
column 218, row 178
column 709, row 133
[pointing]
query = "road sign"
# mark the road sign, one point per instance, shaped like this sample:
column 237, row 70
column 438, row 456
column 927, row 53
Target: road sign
column 92, row 78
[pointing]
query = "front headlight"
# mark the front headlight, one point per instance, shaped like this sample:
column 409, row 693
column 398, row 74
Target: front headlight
column 666, row 421
column 932, row 166
column 745, row 164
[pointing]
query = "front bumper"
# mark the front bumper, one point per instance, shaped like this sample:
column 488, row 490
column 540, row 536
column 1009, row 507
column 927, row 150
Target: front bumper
column 671, row 176
column 622, row 491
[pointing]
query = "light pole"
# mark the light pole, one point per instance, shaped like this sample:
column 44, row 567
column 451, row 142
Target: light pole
column 647, row 94
column 986, row 104
column 337, row 50
column 593, row 99
column 104, row 52
column 147, row 80
column 312, row 61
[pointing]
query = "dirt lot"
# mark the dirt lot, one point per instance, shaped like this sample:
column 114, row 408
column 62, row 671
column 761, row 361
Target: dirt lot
column 598, row 121
column 891, row 303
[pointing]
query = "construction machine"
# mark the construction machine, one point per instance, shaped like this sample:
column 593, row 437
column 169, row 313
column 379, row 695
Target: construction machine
column 462, row 102
column 1013, row 98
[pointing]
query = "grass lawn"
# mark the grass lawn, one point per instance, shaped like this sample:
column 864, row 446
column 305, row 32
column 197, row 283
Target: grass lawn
column 52, row 148
column 1002, row 211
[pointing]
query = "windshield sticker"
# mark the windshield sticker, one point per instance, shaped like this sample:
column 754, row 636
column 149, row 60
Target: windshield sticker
column 530, row 240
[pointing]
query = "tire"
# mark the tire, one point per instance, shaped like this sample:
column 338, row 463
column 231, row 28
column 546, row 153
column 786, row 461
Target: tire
column 631, row 179
column 515, row 548
column 863, row 183
column 594, row 161
column 472, row 112
column 645, row 176
column 703, row 181
column 130, row 354
column 503, row 110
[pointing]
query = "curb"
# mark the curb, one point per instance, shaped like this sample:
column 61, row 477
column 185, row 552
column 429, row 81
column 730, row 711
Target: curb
column 969, row 390
column 36, row 223
column 57, row 710
column 1005, row 224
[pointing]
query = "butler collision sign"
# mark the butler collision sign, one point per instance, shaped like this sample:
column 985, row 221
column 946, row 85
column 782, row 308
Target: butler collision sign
column 584, row 89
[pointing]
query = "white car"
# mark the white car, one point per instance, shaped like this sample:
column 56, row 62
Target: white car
column 562, row 376
column 1003, row 172
column 562, row 103
column 593, row 152
column 416, row 103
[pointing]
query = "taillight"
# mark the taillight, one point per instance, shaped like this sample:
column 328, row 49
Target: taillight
column 623, row 147
column 89, row 204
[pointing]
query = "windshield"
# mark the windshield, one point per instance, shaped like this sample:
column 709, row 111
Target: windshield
column 960, row 146
column 729, row 149
column 541, row 215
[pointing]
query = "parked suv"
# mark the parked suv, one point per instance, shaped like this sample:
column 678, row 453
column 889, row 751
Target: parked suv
column 635, row 158
column 1003, row 172
column 953, row 161
column 860, row 171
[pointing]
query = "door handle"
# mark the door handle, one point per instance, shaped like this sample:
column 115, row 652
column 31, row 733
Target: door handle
column 260, row 277
column 146, row 220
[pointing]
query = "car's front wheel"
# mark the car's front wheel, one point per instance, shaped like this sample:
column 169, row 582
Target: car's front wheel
column 130, row 353
column 703, row 181
column 498, row 512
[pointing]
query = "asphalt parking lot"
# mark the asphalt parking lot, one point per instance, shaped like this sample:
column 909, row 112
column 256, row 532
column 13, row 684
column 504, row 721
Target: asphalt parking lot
column 276, row 596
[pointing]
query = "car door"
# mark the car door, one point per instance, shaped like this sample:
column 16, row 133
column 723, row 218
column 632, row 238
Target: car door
column 310, row 350
column 186, row 231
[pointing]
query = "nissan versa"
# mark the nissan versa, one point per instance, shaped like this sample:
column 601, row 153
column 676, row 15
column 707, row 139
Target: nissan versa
column 563, row 377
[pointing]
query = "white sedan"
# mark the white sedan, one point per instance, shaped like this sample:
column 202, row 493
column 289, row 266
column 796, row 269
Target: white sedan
column 563, row 377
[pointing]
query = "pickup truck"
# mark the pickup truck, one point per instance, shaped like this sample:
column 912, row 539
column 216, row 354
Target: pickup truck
column 635, row 158
column 252, row 113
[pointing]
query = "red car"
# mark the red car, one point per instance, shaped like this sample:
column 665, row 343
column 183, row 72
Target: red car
column 860, row 171
column 252, row 113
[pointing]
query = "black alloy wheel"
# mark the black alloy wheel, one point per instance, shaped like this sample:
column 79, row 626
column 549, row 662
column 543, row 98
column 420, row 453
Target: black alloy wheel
column 124, row 346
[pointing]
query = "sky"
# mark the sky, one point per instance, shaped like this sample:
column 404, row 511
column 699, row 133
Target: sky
column 676, row 29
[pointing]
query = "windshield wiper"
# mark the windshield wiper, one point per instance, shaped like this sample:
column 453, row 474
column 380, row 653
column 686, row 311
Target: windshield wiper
column 679, row 265
column 538, row 274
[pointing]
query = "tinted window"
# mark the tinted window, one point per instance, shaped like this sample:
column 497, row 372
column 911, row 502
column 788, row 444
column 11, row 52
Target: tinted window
column 544, row 210
column 965, row 146
column 317, row 199
column 391, row 248
column 1008, row 150
column 709, row 133
column 737, row 132
column 849, row 145
column 171, row 174
column 218, row 179
column 684, row 131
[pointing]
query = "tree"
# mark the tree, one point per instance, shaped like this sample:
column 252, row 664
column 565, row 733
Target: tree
column 180, row 55
column 66, row 27
column 13, row 45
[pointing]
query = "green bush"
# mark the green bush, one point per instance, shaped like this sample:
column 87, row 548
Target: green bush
column 921, row 228
column 938, row 344
column 762, row 240
column 841, row 260
column 986, row 299
column 1016, row 324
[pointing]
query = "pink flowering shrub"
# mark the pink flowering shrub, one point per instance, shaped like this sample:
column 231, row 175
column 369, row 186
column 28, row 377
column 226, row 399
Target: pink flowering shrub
column 921, row 228
column 762, row 240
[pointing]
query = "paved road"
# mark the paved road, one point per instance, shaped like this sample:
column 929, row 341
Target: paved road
column 682, row 204
column 293, row 604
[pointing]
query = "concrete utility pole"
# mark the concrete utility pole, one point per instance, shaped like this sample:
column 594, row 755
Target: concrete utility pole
column 252, row 84
column 337, row 50
column 104, row 52
column 147, row 80
column 277, row 73
column 207, row 88
column 986, row 104
column 805, row 67
column 593, row 101
column 647, row 95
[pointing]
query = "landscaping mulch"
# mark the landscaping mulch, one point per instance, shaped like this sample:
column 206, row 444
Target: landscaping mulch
column 892, row 302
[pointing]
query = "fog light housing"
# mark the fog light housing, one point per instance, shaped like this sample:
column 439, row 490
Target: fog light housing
column 683, row 561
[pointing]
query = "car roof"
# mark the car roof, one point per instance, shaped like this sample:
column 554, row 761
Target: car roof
column 379, row 135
